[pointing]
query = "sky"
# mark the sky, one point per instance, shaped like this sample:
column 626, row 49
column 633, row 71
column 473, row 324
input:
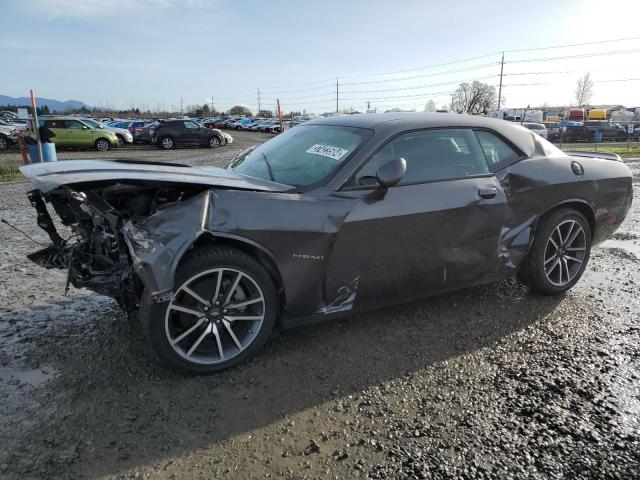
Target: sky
column 155, row 54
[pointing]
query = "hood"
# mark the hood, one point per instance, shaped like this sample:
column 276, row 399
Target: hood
column 50, row 175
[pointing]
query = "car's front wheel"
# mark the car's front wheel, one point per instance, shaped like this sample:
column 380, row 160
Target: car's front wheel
column 102, row 144
column 3, row 143
column 214, row 142
column 559, row 252
column 223, row 310
column 120, row 141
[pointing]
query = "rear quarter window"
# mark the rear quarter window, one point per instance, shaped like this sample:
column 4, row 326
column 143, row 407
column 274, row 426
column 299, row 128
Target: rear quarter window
column 497, row 152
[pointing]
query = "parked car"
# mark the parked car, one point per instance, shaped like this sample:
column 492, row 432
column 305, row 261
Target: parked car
column 123, row 135
column 553, row 131
column 143, row 133
column 226, row 123
column 586, row 132
column 538, row 128
column 272, row 127
column 120, row 124
column 323, row 221
column 241, row 124
column 73, row 132
column 8, row 135
column 137, row 128
column 168, row 134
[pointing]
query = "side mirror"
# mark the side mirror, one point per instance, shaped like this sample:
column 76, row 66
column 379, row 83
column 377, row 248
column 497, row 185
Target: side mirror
column 391, row 173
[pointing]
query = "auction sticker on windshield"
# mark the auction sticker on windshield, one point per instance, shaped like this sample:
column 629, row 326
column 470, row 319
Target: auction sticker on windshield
column 328, row 151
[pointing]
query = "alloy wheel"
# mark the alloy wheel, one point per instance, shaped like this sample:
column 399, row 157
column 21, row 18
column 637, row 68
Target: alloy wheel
column 3, row 143
column 565, row 253
column 102, row 145
column 214, row 142
column 215, row 315
column 167, row 143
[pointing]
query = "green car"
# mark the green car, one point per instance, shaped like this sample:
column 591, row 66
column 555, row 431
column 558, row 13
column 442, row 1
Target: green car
column 71, row 132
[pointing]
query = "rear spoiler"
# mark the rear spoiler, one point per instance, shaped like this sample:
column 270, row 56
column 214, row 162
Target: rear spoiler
column 606, row 156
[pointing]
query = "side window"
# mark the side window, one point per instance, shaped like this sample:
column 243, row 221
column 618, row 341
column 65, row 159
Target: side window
column 74, row 124
column 431, row 155
column 496, row 151
column 54, row 123
column 191, row 125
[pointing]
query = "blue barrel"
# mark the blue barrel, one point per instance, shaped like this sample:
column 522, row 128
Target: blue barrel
column 48, row 152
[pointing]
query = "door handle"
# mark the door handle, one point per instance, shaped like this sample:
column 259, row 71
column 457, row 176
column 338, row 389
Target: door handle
column 487, row 192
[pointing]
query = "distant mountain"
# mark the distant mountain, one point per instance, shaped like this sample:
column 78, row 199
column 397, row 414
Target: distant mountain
column 52, row 104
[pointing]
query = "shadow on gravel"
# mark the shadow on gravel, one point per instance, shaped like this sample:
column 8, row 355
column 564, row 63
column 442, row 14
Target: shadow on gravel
column 112, row 407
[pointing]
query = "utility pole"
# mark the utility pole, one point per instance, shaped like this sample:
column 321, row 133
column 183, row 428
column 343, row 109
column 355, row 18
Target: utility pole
column 500, row 88
column 212, row 104
column 181, row 112
column 337, row 93
column 258, row 103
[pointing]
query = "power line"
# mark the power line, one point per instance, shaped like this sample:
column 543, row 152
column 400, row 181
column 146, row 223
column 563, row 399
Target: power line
column 572, row 45
column 617, row 80
column 446, row 72
column 425, row 95
column 569, row 57
column 428, row 67
column 417, row 87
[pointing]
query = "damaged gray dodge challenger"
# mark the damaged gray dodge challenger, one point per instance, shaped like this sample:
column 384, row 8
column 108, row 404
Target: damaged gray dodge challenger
column 338, row 215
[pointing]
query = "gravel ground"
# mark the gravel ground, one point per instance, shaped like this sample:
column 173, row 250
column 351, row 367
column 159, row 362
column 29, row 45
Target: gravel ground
column 489, row 382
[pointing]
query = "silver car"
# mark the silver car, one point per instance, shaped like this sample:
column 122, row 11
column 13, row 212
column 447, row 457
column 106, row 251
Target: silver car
column 124, row 135
column 8, row 134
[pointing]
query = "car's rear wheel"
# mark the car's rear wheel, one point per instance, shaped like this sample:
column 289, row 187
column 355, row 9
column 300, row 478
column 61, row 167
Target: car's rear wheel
column 167, row 143
column 120, row 141
column 102, row 144
column 559, row 253
column 214, row 142
column 223, row 310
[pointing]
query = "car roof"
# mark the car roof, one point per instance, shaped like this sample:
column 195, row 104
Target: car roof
column 394, row 123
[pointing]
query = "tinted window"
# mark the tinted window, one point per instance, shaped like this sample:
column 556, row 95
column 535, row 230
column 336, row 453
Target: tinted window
column 54, row 124
column 74, row 124
column 430, row 155
column 496, row 151
column 191, row 125
column 303, row 155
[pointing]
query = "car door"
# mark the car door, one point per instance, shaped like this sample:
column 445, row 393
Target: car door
column 78, row 134
column 195, row 134
column 59, row 129
column 438, row 228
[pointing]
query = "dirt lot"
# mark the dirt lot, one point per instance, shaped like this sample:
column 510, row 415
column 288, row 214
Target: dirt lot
column 489, row 382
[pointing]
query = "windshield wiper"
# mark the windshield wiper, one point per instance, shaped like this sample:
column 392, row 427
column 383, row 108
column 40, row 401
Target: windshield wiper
column 273, row 179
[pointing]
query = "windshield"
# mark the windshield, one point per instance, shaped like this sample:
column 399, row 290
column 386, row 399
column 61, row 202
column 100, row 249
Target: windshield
column 92, row 124
column 301, row 156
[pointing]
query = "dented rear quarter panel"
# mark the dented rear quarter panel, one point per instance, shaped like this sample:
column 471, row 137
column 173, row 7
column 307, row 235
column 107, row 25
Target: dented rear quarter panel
column 536, row 185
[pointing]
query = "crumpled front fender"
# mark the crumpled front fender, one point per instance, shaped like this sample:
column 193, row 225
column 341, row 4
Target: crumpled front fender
column 157, row 244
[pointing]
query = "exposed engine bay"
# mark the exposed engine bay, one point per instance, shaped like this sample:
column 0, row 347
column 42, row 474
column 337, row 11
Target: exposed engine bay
column 96, row 254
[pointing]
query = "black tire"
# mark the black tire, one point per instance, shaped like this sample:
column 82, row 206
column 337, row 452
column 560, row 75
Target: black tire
column 120, row 140
column 166, row 143
column 154, row 316
column 214, row 141
column 3, row 143
column 103, row 145
column 532, row 271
